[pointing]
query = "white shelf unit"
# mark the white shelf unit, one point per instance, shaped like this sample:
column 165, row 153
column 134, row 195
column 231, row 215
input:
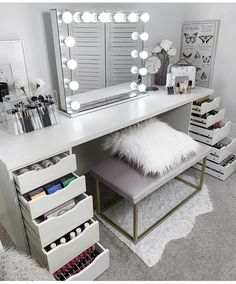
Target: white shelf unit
column 41, row 233
column 201, row 130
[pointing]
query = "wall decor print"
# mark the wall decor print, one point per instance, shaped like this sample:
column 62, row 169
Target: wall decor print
column 198, row 46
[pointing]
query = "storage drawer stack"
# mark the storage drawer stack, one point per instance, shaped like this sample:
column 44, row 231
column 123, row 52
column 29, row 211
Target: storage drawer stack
column 60, row 230
column 207, row 125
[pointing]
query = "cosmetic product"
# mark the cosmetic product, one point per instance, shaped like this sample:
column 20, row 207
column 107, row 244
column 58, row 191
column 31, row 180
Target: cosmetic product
column 170, row 90
column 181, row 87
column 23, row 171
column 50, row 189
column 177, row 88
column 62, row 240
column 36, row 167
column 56, row 159
column 60, row 209
column 189, row 89
column 52, row 246
column 169, row 80
column 47, row 163
column 78, row 231
column 72, row 235
column 185, row 87
column 86, row 225
column 37, row 193
column 65, row 181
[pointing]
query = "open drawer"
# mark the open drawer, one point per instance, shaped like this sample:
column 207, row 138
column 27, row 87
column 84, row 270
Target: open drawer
column 63, row 253
column 209, row 136
column 218, row 155
column 34, row 179
column 206, row 106
column 55, row 227
column 39, row 206
column 209, row 121
column 94, row 269
column 218, row 171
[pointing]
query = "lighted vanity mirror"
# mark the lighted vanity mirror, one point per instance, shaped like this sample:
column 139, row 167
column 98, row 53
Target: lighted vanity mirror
column 96, row 50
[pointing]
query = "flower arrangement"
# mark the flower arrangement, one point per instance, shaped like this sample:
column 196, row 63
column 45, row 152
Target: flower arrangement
column 165, row 48
column 38, row 85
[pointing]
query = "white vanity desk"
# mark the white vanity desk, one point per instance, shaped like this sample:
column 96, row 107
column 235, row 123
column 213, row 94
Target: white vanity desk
column 19, row 151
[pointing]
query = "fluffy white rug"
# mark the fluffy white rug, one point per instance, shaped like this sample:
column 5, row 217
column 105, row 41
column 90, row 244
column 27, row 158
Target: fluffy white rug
column 179, row 225
column 153, row 146
column 16, row 266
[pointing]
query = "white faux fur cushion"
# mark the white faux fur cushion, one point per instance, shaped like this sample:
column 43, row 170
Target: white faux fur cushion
column 152, row 145
column 16, row 266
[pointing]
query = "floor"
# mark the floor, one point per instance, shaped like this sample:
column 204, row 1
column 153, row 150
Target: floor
column 207, row 253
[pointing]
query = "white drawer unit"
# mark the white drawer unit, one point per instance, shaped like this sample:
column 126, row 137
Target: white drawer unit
column 53, row 228
column 218, row 155
column 33, row 179
column 210, row 136
column 209, row 121
column 39, row 206
column 206, row 106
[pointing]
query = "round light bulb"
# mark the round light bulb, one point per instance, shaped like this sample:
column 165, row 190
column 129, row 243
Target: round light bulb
column 134, row 70
column 142, row 71
column 104, row 17
column 143, row 54
column 119, row 17
column 141, row 87
column 134, row 35
column 71, row 64
column 69, row 41
column 145, row 17
column 134, row 53
column 67, row 17
column 143, row 36
column 74, row 85
column 75, row 105
column 133, row 17
column 86, row 17
column 133, row 86
column 77, row 17
column 94, row 17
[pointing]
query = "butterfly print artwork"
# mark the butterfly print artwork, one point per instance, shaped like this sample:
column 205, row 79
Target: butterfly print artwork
column 206, row 59
column 197, row 55
column 187, row 55
column 198, row 69
column 203, row 76
column 205, row 38
column 190, row 38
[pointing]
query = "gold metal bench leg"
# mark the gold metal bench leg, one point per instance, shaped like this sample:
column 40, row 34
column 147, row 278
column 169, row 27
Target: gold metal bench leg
column 135, row 223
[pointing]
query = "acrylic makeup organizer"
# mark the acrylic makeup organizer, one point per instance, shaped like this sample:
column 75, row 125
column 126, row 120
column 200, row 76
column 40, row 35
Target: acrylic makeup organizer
column 25, row 114
column 221, row 162
column 42, row 233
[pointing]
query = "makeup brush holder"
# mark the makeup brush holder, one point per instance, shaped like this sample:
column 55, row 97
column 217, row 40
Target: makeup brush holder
column 24, row 114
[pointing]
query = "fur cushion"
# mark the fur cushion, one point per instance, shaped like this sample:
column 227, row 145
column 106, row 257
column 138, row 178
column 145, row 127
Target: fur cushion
column 16, row 266
column 153, row 146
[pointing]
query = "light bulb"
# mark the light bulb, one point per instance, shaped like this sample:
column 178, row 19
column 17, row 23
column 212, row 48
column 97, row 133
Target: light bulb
column 67, row 17
column 134, row 70
column 74, row 85
column 145, row 17
column 133, row 17
column 77, row 17
column 104, row 17
column 142, row 71
column 71, row 64
column 143, row 36
column 133, row 86
column 134, row 35
column 69, row 41
column 119, row 17
column 142, row 87
column 75, row 105
column 134, row 53
column 94, row 17
column 86, row 17
column 143, row 54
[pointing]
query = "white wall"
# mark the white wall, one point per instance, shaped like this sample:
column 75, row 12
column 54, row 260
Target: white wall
column 224, row 77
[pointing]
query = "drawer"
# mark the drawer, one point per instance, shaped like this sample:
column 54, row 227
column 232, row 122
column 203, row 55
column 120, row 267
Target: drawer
column 210, row 137
column 34, row 253
column 39, row 206
column 206, row 107
column 209, row 121
column 218, row 155
column 55, row 227
column 218, row 171
column 33, row 179
column 96, row 268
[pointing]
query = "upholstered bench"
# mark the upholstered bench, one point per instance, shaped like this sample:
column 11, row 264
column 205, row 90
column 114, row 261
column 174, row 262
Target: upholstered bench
column 130, row 184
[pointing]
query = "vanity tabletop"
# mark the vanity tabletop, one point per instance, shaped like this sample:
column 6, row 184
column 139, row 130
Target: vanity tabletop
column 19, row 151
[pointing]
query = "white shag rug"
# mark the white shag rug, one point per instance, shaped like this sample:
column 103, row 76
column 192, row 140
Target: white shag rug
column 179, row 225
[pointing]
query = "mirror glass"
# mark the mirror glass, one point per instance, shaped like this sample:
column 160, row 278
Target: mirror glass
column 95, row 50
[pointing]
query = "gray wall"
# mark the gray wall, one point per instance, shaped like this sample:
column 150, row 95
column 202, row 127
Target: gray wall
column 29, row 22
